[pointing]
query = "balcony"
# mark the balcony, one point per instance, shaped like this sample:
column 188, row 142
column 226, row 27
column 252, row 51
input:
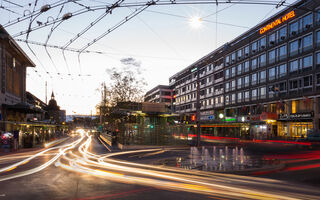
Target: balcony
column 218, row 80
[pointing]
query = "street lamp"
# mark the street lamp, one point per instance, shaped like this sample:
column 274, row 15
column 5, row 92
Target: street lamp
column 221, row 115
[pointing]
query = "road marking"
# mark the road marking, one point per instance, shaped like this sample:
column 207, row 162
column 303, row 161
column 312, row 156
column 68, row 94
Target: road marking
column 104, row 144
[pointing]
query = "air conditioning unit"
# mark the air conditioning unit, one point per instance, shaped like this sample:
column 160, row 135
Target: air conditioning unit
column 308, row 26
column 283, row 37
column 253, row 51
column 239, row 57
column 233, row 60
column 247, row 54
column 262, row 47
column 293, row 33
column 272, row 42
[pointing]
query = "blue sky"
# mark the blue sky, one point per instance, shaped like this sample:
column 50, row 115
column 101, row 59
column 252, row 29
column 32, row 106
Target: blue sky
column 161, row 38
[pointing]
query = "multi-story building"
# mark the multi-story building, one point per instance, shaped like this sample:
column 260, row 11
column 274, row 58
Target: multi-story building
column 13, row 64
column 264, row 83
column 159, row 94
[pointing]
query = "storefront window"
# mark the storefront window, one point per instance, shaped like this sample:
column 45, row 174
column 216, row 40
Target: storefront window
column 294, row 106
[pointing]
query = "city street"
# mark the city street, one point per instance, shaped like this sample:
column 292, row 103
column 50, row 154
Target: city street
column 82, row 168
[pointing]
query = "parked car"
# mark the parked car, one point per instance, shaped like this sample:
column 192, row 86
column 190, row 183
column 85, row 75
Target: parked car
column 312, row 136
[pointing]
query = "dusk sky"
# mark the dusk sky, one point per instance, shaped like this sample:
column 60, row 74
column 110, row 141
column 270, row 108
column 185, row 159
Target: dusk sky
column 161, row 38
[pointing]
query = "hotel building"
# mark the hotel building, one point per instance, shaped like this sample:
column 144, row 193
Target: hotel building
column 264, row 83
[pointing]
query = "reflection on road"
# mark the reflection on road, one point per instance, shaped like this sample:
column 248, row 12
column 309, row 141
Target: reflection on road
column 76, row 157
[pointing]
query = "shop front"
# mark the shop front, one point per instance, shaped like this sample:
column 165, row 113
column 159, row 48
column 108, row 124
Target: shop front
column 295, row 125
column 263, row 126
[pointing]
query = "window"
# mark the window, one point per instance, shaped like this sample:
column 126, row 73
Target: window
column 318, row 58
column 246, row 66
column 318, row 38
column 227, row 86
column 233, row 57
column 227, row 60
column 262, row 76
column 317, row 16
column 282, row 70
column 307, row 62
column 233, row 71
column 293, row 28
column 254, row 47
column 318, row 79
column 294, row 47
column 307, row 22
column 246, row 95
column 283, row 52
column 294, row 84
column 272, row 39
column 294, row 65
column 254, row 94
column 307, row 81
column 254, row 78
column 272, row 56
column 272, row 74
column 239, row 81
column 239, row 97
column 262, row 60
column 246, row 81
column 233, row 85
column 227, row 73
column 227, row 99
column 262, row 92
column 283, row 87
column 233, row 98
column 239, row 69
column 246, row 51
column 254, row 63
column 239, row 54
column 307, row 42
column 282, row 33
column 262, row 43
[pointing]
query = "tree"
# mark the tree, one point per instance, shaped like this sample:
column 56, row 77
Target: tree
column 126, row 84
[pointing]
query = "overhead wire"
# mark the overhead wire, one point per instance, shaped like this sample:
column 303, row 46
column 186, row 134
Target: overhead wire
column 48, row 37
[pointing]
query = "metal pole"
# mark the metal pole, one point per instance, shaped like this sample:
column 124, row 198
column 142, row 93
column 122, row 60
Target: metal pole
column 198, row 106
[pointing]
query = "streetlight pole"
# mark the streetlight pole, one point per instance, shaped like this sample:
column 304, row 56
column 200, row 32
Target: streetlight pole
column 198, row 106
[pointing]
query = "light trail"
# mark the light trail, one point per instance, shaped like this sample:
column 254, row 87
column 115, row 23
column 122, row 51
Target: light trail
column 76, row 157
column 99, row 165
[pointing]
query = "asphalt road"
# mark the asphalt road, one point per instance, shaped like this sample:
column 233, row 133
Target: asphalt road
column 82, row 168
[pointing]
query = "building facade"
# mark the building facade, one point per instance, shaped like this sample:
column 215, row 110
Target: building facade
column 159, row 94
column 263, row 84
column 13, row 64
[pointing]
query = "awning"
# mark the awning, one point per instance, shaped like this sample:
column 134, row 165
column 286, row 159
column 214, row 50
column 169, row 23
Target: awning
column 22, row 108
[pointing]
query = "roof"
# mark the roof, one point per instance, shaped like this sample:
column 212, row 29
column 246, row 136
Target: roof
column 5, row 35
column 158, row 87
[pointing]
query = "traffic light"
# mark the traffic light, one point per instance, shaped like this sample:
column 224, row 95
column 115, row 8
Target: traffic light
column 151, row 126
column 193, row 118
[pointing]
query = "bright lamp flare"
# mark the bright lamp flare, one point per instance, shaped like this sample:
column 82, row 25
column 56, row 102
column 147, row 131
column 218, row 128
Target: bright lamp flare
column 195, row 22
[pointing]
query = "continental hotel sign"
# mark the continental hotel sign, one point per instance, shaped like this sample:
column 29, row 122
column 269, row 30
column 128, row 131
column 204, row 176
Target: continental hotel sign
column 277, row 22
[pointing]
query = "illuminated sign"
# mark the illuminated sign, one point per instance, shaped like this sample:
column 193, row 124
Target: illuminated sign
column 277, row 22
